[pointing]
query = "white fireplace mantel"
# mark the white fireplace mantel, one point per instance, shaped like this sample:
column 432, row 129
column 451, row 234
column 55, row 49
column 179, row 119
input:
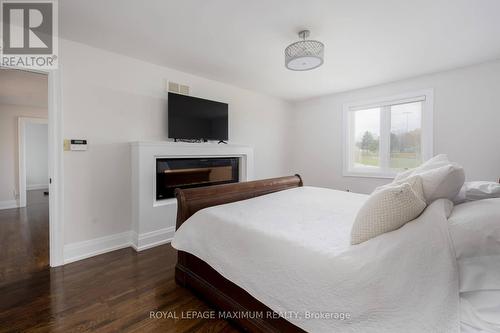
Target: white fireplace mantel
column 153, row 222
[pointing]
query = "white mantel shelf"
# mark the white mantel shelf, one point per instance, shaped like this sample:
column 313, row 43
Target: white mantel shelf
column 182, row 145
column 153, row 222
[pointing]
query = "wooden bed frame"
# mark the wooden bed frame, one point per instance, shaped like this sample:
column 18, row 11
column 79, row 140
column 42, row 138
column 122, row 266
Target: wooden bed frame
column 195, row 274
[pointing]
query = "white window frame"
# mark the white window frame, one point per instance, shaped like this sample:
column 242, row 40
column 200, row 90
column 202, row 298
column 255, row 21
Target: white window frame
column 425, row 96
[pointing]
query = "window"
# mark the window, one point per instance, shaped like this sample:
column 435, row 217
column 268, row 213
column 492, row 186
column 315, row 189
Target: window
column 385, row 136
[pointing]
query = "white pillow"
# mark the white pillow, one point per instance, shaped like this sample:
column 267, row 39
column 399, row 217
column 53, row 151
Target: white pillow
column 388, row 208
column 444, row 182
column 433, row 163
column 478, row 190
column 440, row 178
column 414, row 181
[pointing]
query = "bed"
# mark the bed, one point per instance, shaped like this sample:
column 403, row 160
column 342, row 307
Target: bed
column 298, row 259
column 197, row 275
column 475, row 231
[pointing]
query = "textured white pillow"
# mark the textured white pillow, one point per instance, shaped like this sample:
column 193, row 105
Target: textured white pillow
column 414, row 181
column 440, row 178
column 388, row 208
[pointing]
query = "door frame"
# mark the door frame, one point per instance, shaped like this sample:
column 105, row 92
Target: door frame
column 56, row 170
column 21, row 133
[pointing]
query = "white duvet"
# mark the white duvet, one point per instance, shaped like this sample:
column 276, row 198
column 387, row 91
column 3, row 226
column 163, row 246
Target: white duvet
column 475, row 232
column 291, row 250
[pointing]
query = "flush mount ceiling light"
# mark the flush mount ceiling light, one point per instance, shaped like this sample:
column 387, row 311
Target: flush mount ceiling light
column 304, row 55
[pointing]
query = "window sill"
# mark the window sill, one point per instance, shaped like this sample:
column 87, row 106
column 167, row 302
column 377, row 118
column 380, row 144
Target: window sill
column 361, row 174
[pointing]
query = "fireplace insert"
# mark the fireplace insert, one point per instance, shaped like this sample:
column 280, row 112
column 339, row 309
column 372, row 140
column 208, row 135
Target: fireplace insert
column 172, row 173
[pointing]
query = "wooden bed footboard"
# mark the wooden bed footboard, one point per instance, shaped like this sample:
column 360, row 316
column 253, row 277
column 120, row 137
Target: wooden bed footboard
column 195, row 274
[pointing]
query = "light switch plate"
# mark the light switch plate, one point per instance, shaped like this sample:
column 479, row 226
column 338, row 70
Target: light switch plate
column 75, row 145
column 78, row 145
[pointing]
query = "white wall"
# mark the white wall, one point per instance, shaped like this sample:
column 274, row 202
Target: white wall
column 9, row 147
column 466, row 126
column 111, row 100
column 37, row 167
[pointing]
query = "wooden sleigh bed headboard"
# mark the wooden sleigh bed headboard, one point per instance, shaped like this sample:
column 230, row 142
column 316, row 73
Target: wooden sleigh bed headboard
column 189, row 201
column 195, row 274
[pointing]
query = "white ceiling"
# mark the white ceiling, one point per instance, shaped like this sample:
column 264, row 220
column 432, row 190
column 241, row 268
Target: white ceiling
column 241, row 42
column 23, row 88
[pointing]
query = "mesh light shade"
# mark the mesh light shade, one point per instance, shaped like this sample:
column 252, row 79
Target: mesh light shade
column 304, row 55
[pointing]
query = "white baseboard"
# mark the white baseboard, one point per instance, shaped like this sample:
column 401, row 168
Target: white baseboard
column 151, row 239
column 86, row 249
column 37, row 187
column 8, row 204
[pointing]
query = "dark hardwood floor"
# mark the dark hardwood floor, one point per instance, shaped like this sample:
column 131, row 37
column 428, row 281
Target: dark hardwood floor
column 24, row 238
column 113, row 292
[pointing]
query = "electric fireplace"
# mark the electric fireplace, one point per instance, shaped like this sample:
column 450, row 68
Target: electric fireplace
column 172, row 173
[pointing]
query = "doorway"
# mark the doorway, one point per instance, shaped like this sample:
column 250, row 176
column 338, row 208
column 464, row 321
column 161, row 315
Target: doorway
column 24, row 174
column 33, row 158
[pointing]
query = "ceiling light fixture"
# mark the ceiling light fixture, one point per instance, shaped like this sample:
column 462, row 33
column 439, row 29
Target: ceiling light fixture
column 304, row 55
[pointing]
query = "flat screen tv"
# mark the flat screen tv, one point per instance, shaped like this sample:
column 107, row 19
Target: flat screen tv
column 194, row 118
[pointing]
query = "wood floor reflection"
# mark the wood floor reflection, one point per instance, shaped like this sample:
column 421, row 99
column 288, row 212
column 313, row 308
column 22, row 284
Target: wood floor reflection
column 24, row 238
column 113, row 292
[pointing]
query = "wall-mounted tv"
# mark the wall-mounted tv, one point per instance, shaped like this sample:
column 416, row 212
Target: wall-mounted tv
column 194, row 118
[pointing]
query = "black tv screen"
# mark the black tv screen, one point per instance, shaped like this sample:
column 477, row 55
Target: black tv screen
column 196, row 118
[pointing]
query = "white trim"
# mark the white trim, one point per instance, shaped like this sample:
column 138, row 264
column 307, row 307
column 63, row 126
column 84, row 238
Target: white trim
column 9, row 204
column 37, row 187
column 21, row 137
column 56, row 188
column 425, row 96
column 428, row 126
column 419, row 96
column 93, row 247
column 164, row 202
column 385, row 137
column 151, row 239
